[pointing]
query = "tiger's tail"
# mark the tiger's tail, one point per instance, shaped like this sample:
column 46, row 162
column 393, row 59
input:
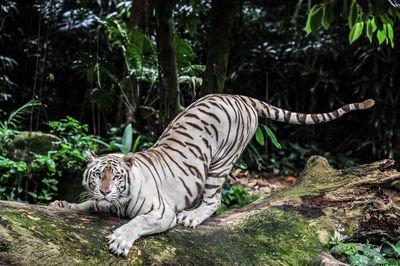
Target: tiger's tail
column 272, row 112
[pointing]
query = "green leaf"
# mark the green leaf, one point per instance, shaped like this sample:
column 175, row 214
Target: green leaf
column 32, row 194
column 260, row 136
column 356, row 31
column 50, row 77
column 241, row 164
column 255, row 156
column 381, row 35
column 16, row 115
column 371, row 28
column 126, row 139
column 51, row 165
column 272, row 137
column 327, row 16
column 135, row 145
column 314, row 18
column 396, row 247
column 359, row 259
column 191, row 25
column 352, row 15
column 255, row 197
column 390, row 34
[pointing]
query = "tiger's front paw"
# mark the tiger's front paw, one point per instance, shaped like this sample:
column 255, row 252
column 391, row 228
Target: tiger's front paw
column 189, row 218
column 121, row 241
column 60, row 204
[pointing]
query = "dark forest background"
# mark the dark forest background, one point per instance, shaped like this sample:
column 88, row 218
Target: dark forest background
column 98, row 62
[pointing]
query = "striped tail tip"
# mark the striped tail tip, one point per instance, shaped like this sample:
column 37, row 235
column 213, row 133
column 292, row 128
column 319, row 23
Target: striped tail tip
column 368, row 103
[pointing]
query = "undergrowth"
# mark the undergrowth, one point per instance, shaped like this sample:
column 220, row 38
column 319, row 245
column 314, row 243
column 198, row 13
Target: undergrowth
column 235, row 197
column 385, row 254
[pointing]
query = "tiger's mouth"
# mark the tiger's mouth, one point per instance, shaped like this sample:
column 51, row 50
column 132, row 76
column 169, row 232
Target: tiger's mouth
column 106, row 199
column 102, row 200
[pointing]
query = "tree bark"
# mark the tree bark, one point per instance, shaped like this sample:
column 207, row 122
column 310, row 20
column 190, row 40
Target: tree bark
column 141, row 14
column 138, row 21
column 168, row 73
column 222, row 18
column 291, row 226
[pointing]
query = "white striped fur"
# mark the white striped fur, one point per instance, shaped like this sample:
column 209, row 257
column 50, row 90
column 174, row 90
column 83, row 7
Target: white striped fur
column 188, row 164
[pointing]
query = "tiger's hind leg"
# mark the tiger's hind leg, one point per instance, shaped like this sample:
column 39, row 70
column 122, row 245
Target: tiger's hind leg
column 210, row 203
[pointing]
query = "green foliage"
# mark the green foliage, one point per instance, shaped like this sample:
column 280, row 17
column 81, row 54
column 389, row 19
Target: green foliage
column 69, row 156
column 75, row 142
column 126, row 141
column 130, row 141
column 271, row 135
column 74, row 136
column 8, row 127
column 37, row 182
column 139, row 55
column 314, row 19
column 126, row 144
column 251, row 154
column 12, row 175
column 379, row 15
column 368, row 255
column 236, row 197
column 395, row 247
column 356, row 31
column 15, row 117
column 138, row 49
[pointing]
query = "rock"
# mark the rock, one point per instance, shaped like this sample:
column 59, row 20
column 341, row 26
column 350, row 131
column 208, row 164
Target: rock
column 26, row 142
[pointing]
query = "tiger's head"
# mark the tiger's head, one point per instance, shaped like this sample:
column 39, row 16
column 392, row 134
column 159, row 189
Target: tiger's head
column 106, row 178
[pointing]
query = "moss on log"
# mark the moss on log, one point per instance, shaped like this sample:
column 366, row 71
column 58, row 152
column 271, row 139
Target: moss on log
column 291, row 226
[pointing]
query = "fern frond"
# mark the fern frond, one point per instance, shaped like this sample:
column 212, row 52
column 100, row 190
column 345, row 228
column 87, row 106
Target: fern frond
column 17, row 115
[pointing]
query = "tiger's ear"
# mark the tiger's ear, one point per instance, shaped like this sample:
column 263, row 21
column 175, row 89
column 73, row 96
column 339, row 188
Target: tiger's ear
column 128, row 159
column 91, row 156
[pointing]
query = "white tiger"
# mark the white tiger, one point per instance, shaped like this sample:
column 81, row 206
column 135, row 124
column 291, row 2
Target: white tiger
column 189, row 162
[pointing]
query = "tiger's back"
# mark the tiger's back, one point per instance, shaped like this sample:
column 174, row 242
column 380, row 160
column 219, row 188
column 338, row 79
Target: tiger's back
column 201, row 145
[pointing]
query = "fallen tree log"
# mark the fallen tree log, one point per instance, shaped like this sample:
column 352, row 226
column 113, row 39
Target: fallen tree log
column 291, row 226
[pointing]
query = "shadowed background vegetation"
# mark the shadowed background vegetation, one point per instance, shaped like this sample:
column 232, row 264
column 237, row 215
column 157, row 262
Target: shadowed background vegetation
column 100, row 74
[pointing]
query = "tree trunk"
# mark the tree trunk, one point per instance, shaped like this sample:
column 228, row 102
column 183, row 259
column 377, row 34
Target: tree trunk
column 142, row 11
column 138, row 21
column 222, row 19
column 168, row 73
column 292, row 226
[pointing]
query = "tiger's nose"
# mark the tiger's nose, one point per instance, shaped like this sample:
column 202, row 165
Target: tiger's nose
column 105, row 191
